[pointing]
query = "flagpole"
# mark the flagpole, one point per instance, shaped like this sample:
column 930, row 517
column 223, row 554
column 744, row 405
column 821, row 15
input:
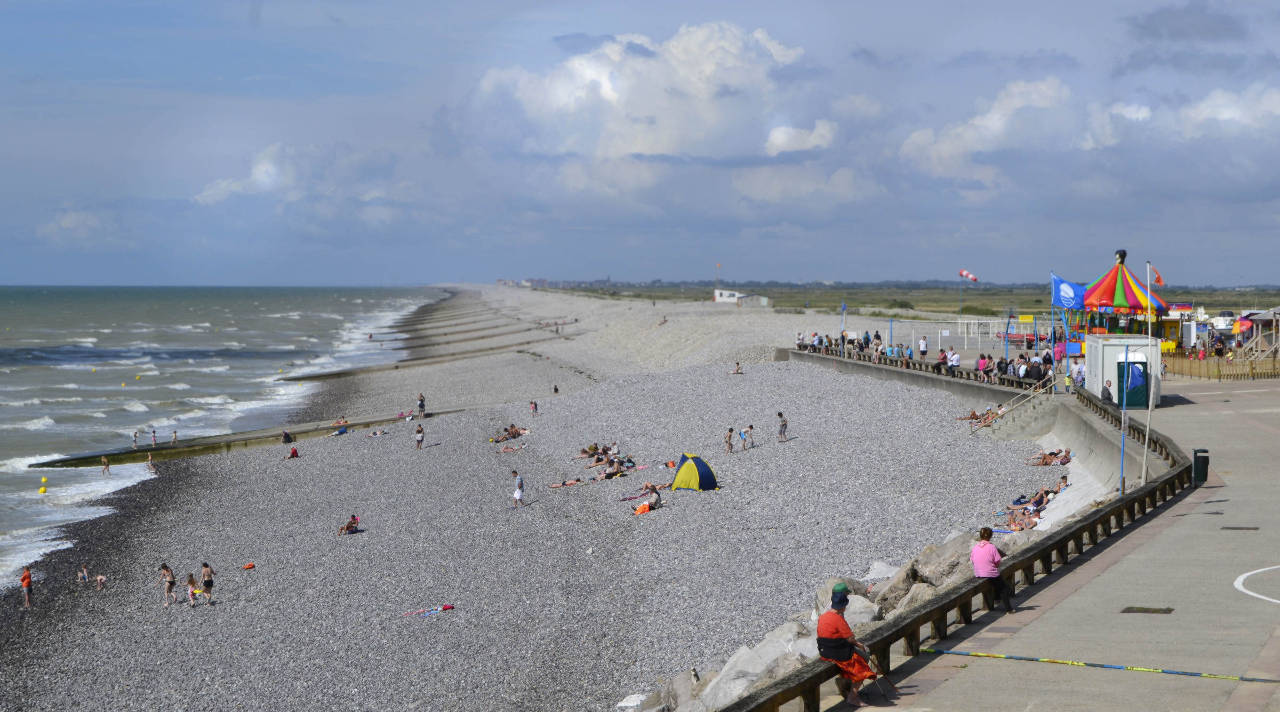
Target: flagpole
column 1124, row 413
column 1145, row 441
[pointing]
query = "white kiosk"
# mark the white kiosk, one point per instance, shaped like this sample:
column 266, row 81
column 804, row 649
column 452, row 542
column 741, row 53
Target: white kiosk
column 1104, row 360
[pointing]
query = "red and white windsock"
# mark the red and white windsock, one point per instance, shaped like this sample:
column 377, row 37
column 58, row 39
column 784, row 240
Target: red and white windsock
column 966, row 274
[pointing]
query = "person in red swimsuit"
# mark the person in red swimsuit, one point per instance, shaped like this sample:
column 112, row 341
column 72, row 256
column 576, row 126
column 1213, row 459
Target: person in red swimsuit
column 837, row 645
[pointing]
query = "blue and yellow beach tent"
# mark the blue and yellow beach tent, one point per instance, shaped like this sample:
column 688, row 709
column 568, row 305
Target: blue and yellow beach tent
column 695, row 474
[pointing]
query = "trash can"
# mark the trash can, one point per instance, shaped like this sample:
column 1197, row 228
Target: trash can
column 1199, row 466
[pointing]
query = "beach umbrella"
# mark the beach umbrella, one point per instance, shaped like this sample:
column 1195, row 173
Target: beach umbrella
column 1118, row 290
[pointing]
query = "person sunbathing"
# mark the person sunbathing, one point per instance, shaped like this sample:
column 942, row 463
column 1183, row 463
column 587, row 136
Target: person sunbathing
column 351, row 527
column 1020, row 521
column 342, row 420
column 596, row 460
column 508, row 448
column 376, row 434
column 973, row 415
column 566, row 483
column 1044, row 458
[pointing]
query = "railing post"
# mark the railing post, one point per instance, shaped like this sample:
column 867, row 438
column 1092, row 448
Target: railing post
column 812, row 697
column 911, row 641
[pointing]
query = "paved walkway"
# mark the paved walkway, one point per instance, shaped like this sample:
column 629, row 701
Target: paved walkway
column 1187, row 559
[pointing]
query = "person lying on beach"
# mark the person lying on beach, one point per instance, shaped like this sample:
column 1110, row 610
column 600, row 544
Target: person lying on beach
column 293, row 454
column 653, row 502
column 583, row 454
column 376, row 434
column 1044, row 458
column 342, row 420
column 511, row 432
column 566, row 483
column 339, row 431
column 508, row 448
column 1020, row 520
column 351, row 527
column 597, row 460
column 973, row 415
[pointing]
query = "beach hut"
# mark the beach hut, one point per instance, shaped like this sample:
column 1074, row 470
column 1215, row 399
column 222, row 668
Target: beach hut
column 694, row 473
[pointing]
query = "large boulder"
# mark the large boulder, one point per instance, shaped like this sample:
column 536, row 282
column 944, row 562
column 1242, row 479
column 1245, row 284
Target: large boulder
column 918, row 594
column 938, row 563
column 806, row 647
column 822, row 599
column 888, row 592
column 860, row 610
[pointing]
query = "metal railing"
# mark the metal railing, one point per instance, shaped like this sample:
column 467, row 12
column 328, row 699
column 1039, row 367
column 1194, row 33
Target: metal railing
column 954, row 606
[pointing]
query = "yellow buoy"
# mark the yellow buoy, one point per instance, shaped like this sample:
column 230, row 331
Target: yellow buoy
column 42, row 490
column 44, row 479
column 137, row 378
column 122, row 385
column 93, row 370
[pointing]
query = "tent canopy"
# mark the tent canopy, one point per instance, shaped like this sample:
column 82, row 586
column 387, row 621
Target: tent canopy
column 1119, row 291
column 694, row 473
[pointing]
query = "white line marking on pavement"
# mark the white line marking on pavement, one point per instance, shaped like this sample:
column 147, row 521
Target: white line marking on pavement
column 1240, row 584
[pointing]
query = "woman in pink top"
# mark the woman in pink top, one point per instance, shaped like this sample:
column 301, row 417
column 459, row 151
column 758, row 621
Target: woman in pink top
column 986, row 565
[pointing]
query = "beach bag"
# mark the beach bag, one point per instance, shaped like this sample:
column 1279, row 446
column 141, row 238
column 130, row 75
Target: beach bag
column 643, row 509
column 839, row 649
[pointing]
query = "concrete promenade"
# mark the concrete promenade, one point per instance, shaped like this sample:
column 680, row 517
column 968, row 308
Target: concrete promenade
column 1187, row 559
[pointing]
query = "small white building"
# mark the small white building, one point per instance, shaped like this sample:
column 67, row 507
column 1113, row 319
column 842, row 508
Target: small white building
column 727, row 296
column 1109, row 357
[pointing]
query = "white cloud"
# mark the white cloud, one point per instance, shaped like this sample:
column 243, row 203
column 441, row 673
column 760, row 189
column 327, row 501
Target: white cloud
column 1102, row 123
column 857, row 106
column 949, row 153
column 1253, row 108
column 776, row 184
column 700, row 92
column 275, row 168
column 82, row 229
column 786, row 138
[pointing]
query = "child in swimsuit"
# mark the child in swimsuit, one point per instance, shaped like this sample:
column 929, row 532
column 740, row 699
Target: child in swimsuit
column 191, row 589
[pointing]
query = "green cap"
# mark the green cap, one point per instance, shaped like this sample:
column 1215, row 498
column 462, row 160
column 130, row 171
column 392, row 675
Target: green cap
column 840, row 587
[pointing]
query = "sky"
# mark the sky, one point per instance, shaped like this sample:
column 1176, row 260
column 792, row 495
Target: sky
column 257, row 142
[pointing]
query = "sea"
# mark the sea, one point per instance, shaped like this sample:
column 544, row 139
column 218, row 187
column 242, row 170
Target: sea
column 84, row 368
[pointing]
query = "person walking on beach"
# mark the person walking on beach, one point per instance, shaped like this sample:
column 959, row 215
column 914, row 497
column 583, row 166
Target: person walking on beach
column 206, row 573
column 191, row 589
column 418, row 435
column 422, row 406
column 167, row 582
column 174, row 440
column 986, row 565
column 782, row 428
column 518, row 496
column 749, row 437
column 153, row 437
column 135, row 440
column 106, row 465
column 728, row 441
column 26, row 587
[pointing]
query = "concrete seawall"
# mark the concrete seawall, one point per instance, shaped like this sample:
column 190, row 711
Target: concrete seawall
column 973, row 394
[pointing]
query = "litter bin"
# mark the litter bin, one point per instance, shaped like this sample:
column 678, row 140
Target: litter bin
column 1199, row 466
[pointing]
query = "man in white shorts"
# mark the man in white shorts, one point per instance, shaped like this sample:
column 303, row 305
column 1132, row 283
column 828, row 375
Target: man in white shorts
column 924, row 347
column 518, row 497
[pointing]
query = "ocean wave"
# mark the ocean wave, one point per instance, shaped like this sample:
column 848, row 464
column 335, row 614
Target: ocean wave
column 19, row 404
column 18, row 464
column 178, row 386
column 84, row 339
column 71, row 386
column 284, row 315
column 199, row 369
column 211, row 400
column 136, row 407
column 40, row 423
column 282, row 347
column 97, row 414
column 233, row 344
column 191, row 414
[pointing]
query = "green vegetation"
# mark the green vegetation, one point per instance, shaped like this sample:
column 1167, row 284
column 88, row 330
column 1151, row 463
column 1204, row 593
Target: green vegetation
column 979, row 300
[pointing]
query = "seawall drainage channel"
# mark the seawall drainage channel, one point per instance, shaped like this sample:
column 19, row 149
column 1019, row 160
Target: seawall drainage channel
column 954, row 606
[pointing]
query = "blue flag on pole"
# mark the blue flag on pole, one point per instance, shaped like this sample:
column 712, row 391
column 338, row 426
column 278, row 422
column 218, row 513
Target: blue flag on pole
column 1067, row 295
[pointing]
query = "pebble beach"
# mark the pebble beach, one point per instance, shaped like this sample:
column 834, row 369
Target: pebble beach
column 567, row 603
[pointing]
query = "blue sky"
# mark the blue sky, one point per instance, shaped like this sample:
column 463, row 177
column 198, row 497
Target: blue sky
column 263, row 142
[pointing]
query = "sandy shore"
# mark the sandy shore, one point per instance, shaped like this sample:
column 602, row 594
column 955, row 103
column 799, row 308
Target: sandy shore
column 568, row 603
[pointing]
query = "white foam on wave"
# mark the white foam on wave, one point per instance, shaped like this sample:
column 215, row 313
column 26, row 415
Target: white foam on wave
column 211, row 400
column 191, row 414
column 84, row 339
column 69, row 386
column 178, row 386
column 282, row 347
column 18, row 464
column 200, row 369
column 19, row 404
column 97, row 414
column 233, row 344
column 34, row 424
column 136, row 407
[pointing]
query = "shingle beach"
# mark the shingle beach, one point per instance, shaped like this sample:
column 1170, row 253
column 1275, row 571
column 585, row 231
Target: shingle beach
column 569, row 603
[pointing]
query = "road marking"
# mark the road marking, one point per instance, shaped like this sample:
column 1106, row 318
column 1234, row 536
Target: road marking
column 1240, row 584
column 1258, row 390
